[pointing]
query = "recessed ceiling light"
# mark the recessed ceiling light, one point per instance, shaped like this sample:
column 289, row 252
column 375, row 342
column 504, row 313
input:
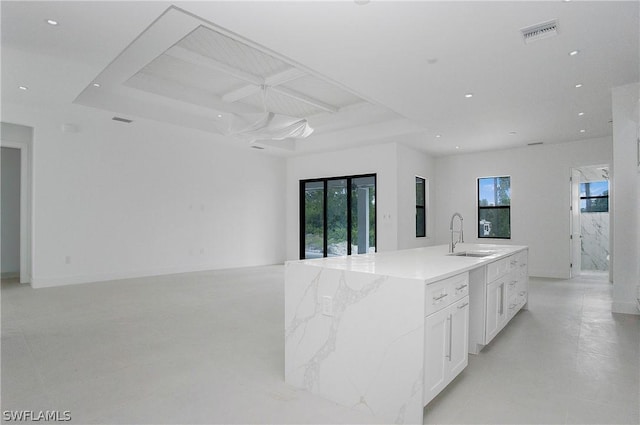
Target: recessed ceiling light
column 96, row 84
column 468, row 95
column 457, row 147
column 574, row 52
column 23, row 88
column 52, row 22
column 438, row 136
column 219, row 115
column 512, row 133
column 580, row 114
column 578, row 85
column 583, row 131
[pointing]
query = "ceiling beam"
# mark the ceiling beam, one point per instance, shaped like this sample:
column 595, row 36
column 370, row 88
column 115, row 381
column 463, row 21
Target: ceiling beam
column 306, row 99
column 241, row 93
column 285, row 76
column 280, row 78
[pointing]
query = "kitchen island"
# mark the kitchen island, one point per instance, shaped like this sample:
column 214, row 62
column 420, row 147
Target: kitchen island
column 386, row 332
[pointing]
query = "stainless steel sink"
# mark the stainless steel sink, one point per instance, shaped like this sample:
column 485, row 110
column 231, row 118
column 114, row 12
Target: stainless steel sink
column 472, row 253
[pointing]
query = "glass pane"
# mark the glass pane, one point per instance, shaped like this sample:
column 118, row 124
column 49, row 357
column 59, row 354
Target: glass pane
column 420, row 191
column 494, row 191
column 313, row 219
column 363, row 215
column 594, row 205
column 420, row 222
column 494, row 223
column 336, row 217
column 594, row 189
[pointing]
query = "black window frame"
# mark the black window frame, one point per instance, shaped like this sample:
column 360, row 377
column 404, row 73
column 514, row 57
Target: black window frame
column 422, row 208
column 492, row 207
column 588, row 197
column 325, row 181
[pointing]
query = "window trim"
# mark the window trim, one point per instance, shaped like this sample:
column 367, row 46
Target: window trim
column 494, row 207
column 422, row 207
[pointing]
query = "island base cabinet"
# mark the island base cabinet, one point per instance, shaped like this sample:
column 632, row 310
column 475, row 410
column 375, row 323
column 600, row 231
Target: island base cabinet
column 496, row 308
column 446, row 335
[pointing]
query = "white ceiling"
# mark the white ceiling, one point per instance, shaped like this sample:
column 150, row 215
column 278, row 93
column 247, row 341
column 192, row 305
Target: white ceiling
column 393, row 70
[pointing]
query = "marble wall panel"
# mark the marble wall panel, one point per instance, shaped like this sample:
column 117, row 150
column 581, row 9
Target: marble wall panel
column 595, row 241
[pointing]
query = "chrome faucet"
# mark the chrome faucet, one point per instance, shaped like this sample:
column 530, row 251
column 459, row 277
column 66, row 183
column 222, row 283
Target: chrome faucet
column 452, row 245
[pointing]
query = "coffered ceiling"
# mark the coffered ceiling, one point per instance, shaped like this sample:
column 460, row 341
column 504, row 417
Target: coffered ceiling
column 443, row 77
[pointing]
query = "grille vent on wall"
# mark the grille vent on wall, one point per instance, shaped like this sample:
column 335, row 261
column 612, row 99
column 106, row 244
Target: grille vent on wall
column 540, row 31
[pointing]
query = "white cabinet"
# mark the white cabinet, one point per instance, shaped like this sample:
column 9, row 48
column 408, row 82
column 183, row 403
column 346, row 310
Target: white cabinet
column 497, row 292
column 446, row 333
column 496, row 311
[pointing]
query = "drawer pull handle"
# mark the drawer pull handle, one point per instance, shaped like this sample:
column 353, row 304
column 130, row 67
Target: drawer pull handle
column 463, row 306
column 461, row 287
column 440, row 297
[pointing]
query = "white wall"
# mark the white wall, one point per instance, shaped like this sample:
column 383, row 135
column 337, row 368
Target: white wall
column 540, row 196
column 10, row 204
column 412, row 163
column 116, row 200
column 624, row 188
column 396, row 167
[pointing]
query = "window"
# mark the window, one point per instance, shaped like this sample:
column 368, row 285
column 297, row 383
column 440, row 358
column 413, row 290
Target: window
column 494, row 207
column 594, row 196
column 421, row 212
column 337, row 216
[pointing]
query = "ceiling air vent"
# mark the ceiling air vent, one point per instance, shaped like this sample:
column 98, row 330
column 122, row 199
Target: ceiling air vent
column 534, row 143
column 540, row 31
column 124, row 120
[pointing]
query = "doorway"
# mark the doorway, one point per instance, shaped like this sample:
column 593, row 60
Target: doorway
column 10, row 211
column 18, row 140
column 590, row 222
column 337, row 216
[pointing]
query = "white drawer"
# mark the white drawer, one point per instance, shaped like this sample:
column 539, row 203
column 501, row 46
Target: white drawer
column 497, row 269
column 440, row 294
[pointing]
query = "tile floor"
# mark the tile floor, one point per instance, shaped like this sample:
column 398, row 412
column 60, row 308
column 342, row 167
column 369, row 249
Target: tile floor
column 208, row 348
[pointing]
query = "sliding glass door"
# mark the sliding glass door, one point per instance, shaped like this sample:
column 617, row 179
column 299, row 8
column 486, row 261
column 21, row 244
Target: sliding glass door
column 337, row 216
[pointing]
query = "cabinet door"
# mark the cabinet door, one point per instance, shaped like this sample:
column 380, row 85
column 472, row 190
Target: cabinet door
column 459, row 338
column 436, row 346
column 496, row 312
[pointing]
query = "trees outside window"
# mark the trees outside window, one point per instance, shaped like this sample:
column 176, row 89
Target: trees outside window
column 494, row 207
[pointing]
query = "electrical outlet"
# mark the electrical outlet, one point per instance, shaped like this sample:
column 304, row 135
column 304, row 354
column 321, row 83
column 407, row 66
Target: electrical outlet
column 327, row 305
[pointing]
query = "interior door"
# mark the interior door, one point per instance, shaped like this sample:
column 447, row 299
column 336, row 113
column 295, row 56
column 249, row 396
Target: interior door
column 576, row 231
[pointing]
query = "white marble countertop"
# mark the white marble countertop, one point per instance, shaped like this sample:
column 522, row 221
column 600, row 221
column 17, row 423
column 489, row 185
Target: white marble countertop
column 428, row 264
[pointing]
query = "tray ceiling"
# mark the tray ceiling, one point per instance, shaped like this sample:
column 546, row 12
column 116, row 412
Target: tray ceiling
column 190, row 67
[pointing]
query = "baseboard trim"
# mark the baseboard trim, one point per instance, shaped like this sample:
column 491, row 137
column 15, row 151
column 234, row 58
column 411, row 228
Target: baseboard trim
column 48, row 282
column 9, row 275
column 548, row 274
